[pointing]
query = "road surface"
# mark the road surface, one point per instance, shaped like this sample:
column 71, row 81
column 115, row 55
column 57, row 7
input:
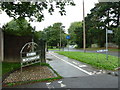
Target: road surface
column 73, row 49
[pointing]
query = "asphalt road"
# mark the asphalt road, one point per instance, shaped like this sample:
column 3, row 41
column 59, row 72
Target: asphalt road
column 95, row 81
column 109, row 52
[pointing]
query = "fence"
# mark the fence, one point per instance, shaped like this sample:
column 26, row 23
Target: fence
column 13, row 45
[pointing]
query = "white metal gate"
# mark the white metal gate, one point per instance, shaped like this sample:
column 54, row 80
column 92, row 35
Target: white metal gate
column 29, row 54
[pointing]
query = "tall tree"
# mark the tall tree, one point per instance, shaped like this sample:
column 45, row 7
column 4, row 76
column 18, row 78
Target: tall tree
column 14, row 28
column 105, row 15
column 53, row 34
column 76, row 33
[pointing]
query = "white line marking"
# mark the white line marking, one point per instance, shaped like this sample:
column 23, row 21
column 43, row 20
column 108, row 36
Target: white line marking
column 49, row 86
column 61, row 84
column 59, row 81
column 74, row 62
column 82, row 66
column 48, row 83
column 73, row 65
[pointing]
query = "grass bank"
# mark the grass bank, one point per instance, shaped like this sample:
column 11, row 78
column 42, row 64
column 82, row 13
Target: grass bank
column 9, row 66
column 94, row 59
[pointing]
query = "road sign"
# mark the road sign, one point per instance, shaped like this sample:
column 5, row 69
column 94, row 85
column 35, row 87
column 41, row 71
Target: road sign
column 110, row 31
column 102, row 50
column 68, row 37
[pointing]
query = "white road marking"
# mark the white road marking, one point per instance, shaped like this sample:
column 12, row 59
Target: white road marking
column 82, row 65
column 59, row 81
column 49, row 86
column 74, row 62
column 98, row 72
column 61, row 84
column 73, row 65
column 48, row 83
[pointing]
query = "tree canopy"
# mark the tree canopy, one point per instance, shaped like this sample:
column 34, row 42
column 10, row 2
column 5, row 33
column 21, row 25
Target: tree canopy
column 18, row 27
column 76, row 32
column 105, row 15
column 53, row 34
column 33, row 10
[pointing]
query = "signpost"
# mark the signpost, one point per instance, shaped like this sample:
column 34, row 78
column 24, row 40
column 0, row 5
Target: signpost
column 110, row 32
column 28, row 56
column 68, row 37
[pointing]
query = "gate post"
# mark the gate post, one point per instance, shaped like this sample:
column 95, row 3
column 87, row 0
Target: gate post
column 41, row 43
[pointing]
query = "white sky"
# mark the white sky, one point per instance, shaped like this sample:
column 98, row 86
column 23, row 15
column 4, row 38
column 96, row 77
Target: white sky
column 73, row 14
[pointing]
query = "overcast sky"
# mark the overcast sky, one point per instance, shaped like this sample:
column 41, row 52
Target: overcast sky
column 74, row 13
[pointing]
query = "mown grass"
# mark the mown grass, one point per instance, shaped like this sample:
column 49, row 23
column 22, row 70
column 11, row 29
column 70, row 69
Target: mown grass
column 9, row 66
column 94, row 59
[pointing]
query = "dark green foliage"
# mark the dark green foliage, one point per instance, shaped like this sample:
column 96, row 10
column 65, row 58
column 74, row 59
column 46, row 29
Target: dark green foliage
column 53, row 35
column 35, row 9
column 8, row 67
column 117, row 36
column 18, row 27
column 40, row 35
column 105, row 15
column 76, row 33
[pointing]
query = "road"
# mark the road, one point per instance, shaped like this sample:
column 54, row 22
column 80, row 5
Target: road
column 109, row 52
column 95, row 81
column 75, row 75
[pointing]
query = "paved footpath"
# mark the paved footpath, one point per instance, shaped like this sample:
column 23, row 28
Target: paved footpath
column 67, row 67
column 75, row 75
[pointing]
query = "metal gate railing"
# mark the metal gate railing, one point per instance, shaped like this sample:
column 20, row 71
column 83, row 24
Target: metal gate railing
column 29, row 55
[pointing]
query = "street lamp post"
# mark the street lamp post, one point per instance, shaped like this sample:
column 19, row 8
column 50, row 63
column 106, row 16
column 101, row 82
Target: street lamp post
column 60, row 40
column 84, row 39
column 61, row 37
column 33, row 39
column 106, row 44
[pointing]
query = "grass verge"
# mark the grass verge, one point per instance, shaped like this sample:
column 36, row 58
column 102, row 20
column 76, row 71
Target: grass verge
column 8, row 67
column 95, row 59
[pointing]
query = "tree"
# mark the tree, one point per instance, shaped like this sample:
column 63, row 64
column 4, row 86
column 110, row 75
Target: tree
column 53, row 34
column 13, row 28
column 33, row 10
column 76, row 32
column 105, row 15
column 117, row 36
